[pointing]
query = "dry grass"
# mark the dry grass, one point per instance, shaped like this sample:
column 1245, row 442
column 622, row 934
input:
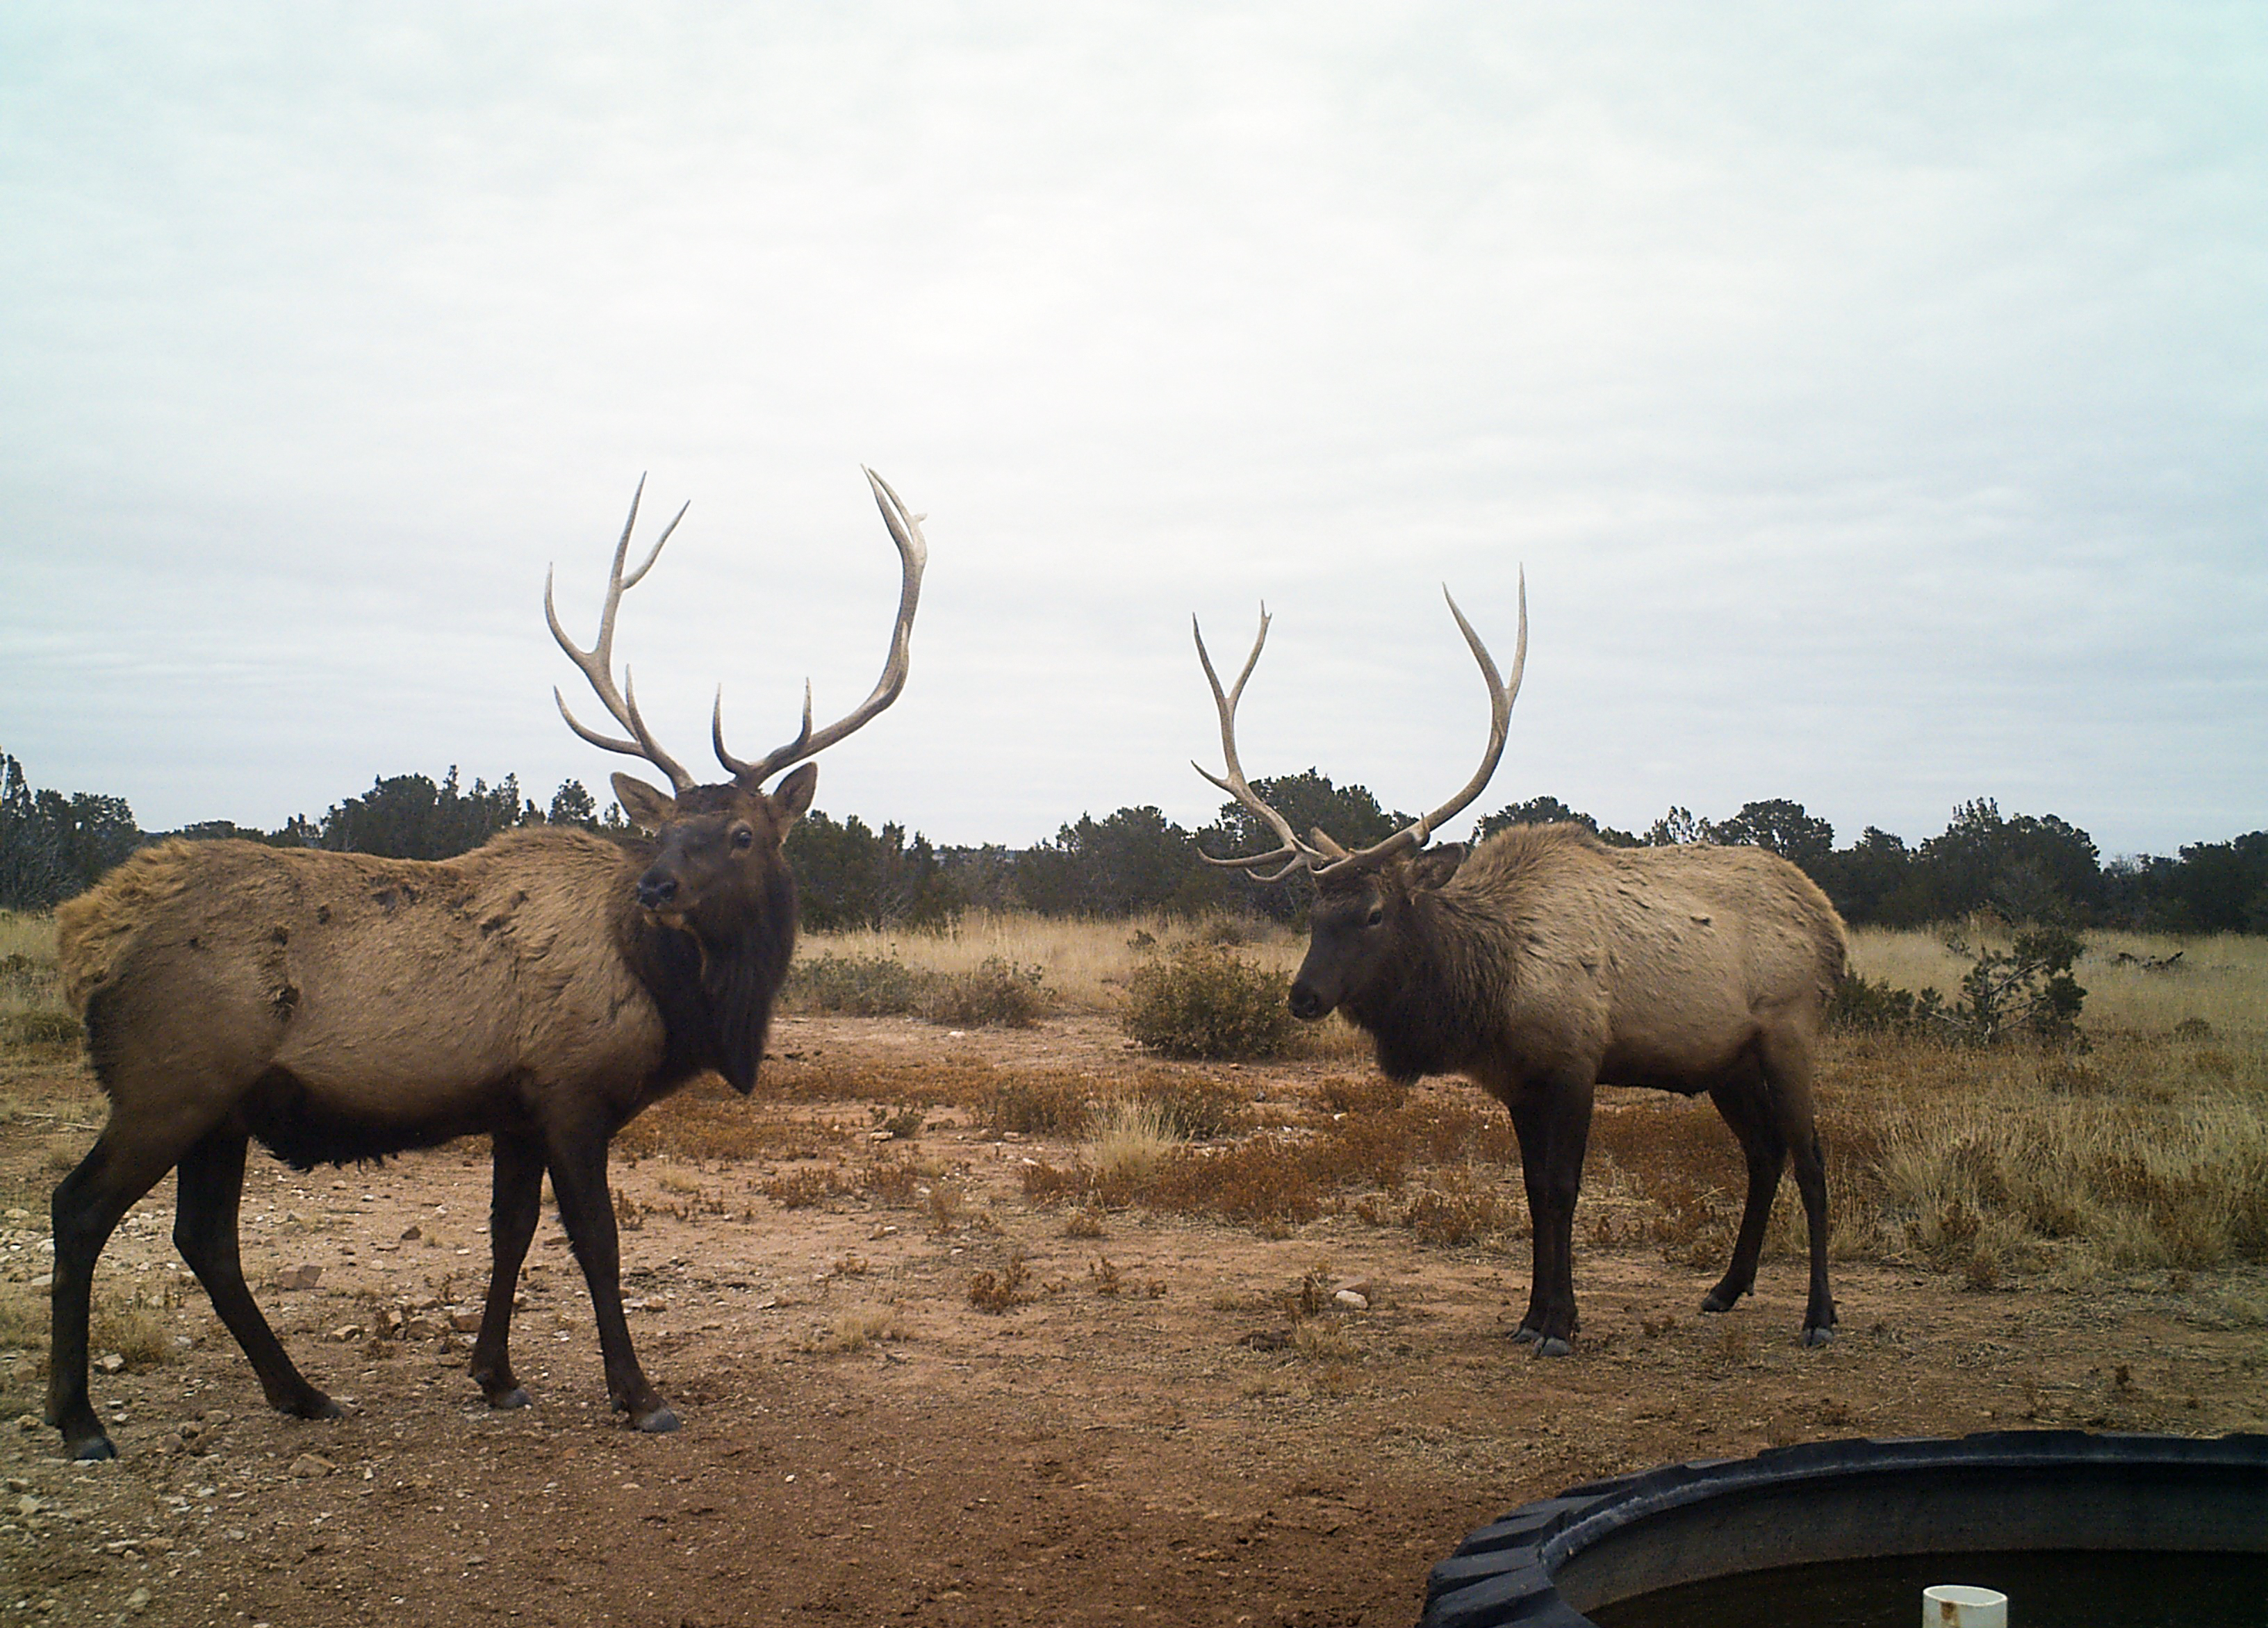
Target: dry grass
column 1088, row 963
column 1131, row 1136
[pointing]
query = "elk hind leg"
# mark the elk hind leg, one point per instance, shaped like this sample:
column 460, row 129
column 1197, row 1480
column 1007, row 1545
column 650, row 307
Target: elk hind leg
column 87, row 1207
column 517, row 1196
column 211, row 1188
column 1766, row 1154
column 1787, row 1066
column 577, row 1158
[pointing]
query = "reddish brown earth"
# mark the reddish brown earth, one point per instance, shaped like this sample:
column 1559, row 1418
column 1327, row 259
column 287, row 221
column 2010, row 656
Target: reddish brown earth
column 1142, row 1441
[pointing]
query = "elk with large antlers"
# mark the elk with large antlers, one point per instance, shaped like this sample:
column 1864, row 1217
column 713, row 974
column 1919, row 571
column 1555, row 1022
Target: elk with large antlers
column 539, row 990
column 1545, row 963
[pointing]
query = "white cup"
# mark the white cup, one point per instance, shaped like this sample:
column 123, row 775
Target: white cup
column 1956, row 1605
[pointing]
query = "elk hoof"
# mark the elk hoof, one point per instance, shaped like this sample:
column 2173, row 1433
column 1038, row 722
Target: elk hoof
column 505, row 1401
column 89, row 1449
column 1718, row 1301
column 1552, row 1345
column 315, row 1404
column 658, row 1422
column 1525, row 1336
column 1818, row 1335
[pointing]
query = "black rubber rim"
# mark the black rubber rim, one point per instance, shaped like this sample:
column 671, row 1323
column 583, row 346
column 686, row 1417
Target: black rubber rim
column 1611, row 1540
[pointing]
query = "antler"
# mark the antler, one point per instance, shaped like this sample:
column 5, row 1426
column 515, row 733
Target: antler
column 597, row 662
column 1325, row 858
column 1294, row 853
column 913, row 551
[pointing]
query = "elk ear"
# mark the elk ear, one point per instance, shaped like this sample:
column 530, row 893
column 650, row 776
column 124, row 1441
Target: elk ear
column 646, row 806
column 1436, row 865
column 793, row 795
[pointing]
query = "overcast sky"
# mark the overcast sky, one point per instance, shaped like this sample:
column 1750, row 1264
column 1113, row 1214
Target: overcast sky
column 1874, row 395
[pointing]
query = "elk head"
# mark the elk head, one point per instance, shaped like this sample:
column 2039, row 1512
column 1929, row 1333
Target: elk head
column 715, row 865
column 1362, row 897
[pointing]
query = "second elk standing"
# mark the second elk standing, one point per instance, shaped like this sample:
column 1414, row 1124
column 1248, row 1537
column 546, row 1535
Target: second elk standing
column 1544, row 964
column 539, row 990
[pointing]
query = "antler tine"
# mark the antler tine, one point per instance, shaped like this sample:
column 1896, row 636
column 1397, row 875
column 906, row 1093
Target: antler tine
column 1295, row 854
column 1501, row 695
column 597, row 663
column 913, row 553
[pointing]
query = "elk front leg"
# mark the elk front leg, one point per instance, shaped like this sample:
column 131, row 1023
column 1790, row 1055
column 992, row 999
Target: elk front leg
column 516, row 1197
column 211, row 1186
column 578, row 1177
column 1552, row 1123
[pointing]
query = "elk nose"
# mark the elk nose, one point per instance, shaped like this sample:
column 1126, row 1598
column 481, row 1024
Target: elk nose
column 1307, row 1004
column 655, row 889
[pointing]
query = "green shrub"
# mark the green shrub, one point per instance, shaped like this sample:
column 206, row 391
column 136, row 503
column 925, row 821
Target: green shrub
column 1207, row 1002
column 2025, row 990
column 999, row 993
column 856, row 986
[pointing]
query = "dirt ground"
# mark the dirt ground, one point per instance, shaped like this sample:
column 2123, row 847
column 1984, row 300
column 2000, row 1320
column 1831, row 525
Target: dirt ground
column 1147, row 1438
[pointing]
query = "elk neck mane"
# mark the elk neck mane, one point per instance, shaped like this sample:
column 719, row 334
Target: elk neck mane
column 714, row 995
column 1436, row 1006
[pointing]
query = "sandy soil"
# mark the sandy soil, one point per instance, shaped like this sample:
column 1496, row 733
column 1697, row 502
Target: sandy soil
column 1146, row 1439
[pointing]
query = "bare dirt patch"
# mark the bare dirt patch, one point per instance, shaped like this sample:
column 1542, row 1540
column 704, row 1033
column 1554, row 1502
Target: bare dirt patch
column 1149, row 1419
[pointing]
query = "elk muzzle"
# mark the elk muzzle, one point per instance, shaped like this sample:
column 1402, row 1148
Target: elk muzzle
column 1309, row 1002
column 656, row 890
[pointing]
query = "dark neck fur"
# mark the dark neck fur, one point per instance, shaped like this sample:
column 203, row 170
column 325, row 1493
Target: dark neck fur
column 1428, row 1010
column 714, row 995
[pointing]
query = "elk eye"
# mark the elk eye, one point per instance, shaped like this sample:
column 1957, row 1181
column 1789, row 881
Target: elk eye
column 743, row 837
column 1377, row 915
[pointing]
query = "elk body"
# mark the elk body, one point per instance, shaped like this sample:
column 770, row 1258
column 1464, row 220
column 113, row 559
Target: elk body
column 1545, row 964
column 541, row 991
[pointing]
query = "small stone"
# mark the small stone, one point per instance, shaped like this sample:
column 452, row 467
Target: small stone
column 27, row 1505
column 1352, row 1300
column 347, row 1332
column 412, row 1234
column 110, row 1362
column 28, row 1421
column 138, row 1601
column 465, row 1322
column 308, row 1465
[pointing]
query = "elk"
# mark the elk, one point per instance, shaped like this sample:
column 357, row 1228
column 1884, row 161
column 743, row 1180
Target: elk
column 1544, row 964
column 541, row 991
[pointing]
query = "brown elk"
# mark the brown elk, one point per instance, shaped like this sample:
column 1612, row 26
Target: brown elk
column 1545, row 963
column 539, row 990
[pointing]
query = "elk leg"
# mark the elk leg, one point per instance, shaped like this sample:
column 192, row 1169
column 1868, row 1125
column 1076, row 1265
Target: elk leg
column 1787, row 1067
column 87, row 1207
column 211, row 1186
column 1766, row 1155
column 517, row 1196
column 1553, row 1125
column 578, row 1176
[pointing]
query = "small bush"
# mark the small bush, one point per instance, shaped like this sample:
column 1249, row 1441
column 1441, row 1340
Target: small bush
column 2026, row 990
column 1206, row 1002
column 1001, row 1291
column 41, row 1027
column 1197, row 1110
column 856, row 986
column 999, row 993
column 1042, row 1107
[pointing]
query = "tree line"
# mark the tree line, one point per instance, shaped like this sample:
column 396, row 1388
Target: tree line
column 2025, row 867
